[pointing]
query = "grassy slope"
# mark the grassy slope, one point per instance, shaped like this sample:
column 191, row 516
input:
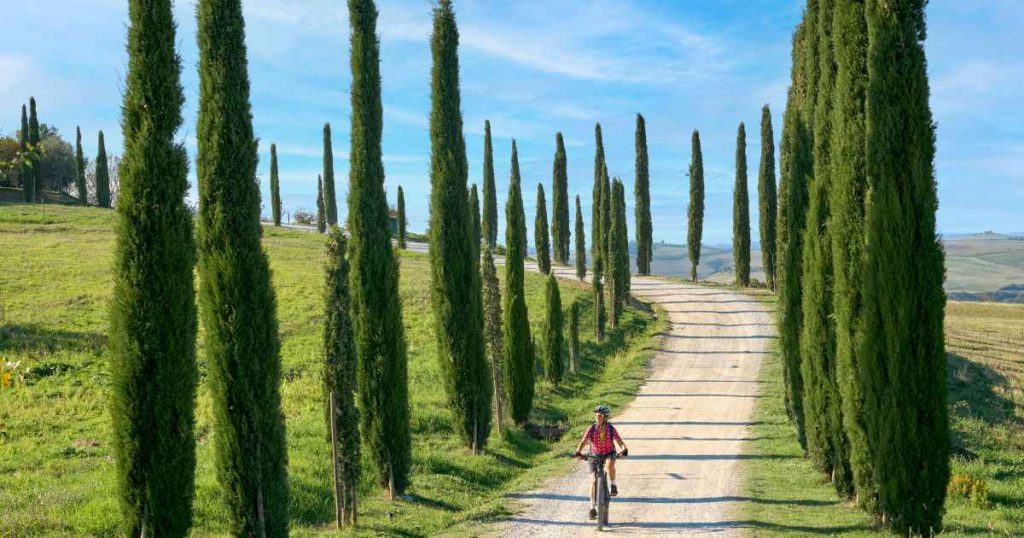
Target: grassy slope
column 55, row 464
column 986, row 375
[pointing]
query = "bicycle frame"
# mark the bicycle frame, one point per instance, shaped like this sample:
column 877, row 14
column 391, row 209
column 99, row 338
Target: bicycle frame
column 599, row 493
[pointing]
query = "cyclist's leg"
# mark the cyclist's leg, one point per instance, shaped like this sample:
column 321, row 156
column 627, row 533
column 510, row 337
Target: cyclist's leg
column 611, row 469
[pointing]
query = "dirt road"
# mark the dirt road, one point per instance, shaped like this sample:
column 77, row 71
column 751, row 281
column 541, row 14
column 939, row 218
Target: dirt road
column 685, row 430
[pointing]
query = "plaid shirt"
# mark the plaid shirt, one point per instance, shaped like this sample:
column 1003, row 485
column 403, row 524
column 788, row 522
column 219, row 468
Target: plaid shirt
column 602, row 440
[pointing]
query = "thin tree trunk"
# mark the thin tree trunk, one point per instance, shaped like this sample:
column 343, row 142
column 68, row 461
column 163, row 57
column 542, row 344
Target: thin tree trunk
column 339, row 500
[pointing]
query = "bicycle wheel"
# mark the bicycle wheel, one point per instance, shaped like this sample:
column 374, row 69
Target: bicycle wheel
column 602, row 503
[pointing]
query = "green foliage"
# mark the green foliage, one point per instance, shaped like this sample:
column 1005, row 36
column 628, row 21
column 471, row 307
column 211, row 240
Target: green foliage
column 275, row 187
column 560, row 204
column 581, row 243
column 618, row 253
column 903, row 302
column 767, row 198
column 474, row 212
column 152, row 336
column 490, row 209
column 102, row 175
column 402, row 223
column 31, row 180
column 493, row 334
column 238, row 303
column 339, row 373
column 969, row 488
column 454, row 246
column 382, row 374
column 574, row 337
column 741, row 213
column 321, row 209
column 23, row 164
column 695, row 211
column 596, row 224
column 607, row 203
column 519, row 369
column 330, row 199
column 642, row 196
column 80, row 186
column 554, row 366
column 597, row 286
column 540, row 233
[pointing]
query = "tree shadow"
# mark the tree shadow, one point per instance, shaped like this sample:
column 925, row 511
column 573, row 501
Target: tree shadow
column 33, row 338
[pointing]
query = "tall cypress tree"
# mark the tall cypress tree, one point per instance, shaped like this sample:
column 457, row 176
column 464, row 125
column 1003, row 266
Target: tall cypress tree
column 846, row 200
column 382, row 374
column 597, row 286
column 275, row 187
column 474, row 212
column 154, row 373
column 903, row 302
column 581, row 243
column 490, row 208
column 321, row 206
column 540, row 233
column 574, row 337
column 554, row 367
column 741, row 213
column 80, row 184
column 618, row 257
column 493, row 334
column 330, row 200
column 401, row 218
column 560, row 204
column 455, row 280
column 238, row 303
column 767, row 198
column 25, row 173
column 642, row 197
column 695, row 211
column 607, row 203
column 102, row 175
column 33, row 187
column 519, row 375
column 596, row 226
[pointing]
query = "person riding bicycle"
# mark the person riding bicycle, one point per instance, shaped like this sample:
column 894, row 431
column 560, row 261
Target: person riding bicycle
column 602, row 436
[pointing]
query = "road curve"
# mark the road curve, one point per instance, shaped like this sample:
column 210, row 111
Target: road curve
column 686, row 428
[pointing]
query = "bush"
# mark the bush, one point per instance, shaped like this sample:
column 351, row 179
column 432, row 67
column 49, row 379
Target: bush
column 973, row 490
column 301, row 216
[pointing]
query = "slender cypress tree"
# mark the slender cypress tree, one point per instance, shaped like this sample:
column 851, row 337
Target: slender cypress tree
column 540, row 233
column 330, row 200
column 401, row 218
column 474, row 212
column 560, row 204
column 80, row 185
column 154, row 373
column 903, row 302
column 596, row 226
column 607, row 203
column 455, row 280
column 623, row 245
column 493, row 334
column 642, row 196
column 519, row 374
column 340, row 376
column 321, row 206
column 618, row 269
column 581, row 243
column 25, row 173
column 275, row 187
column 102, row 175
column 238, row 303
column 382, row 373
column 490, row 209
column 597, row 286
column 766, row 197
column 574, row 337
column 34, row 187
column 554, row 368
column 695, row 212
column 741, row 213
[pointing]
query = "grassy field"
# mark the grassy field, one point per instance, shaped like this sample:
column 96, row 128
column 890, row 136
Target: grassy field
column 56, row 468
column 985, row 345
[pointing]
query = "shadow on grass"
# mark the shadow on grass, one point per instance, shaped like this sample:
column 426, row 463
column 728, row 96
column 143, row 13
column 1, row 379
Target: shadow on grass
column 36, row 339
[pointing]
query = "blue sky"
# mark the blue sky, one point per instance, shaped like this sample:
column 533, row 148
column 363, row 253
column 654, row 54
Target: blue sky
column 534, row 68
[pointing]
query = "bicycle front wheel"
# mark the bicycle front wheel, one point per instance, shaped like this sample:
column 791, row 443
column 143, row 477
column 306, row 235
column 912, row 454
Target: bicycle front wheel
column 602, row 503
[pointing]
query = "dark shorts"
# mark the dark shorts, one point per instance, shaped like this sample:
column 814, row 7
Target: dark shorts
column 610, row 456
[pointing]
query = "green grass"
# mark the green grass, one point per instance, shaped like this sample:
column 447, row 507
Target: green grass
column 56, row 468
column 986, row 370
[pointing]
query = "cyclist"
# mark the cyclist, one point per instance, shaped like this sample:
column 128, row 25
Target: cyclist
column 602, row 436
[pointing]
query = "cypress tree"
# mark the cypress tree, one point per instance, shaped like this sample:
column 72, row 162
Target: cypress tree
column 455, row 280
column 903, row 303
column 597, row 285
column 275, row 187
column 102, row 175
column 766, row 197
column 581, row 243
column 642, row 197
column 623, row 246
column 154, row 373
column 25, row 173
column 847, row 196
column 339, row 377
column 474, row 212
column 695, row 211
column 330, row 200
column 33, row 188
column 80, row 185
column 553, row 367
column 519, row 375
column 401, row 218
column 540, row 233
column 490, row 209
column 238, row 303
column 607, row 203
column 574, row 337
column 382, row 373
column 560, row 204
column 796, row 169
column 596, row 226
column 321, row 217
column 618, row 258
column 493, row 334
column 741, row 213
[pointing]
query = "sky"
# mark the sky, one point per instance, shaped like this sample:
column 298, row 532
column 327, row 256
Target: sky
column 534, row 68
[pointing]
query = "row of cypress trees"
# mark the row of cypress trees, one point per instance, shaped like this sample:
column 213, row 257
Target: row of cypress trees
column 860, row 266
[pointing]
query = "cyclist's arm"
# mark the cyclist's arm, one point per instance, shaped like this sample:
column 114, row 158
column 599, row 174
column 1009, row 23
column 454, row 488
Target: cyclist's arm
column 619, row 440
column 583, row 441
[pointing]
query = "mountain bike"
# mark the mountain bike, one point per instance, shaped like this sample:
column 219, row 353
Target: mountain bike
column 599, row 489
